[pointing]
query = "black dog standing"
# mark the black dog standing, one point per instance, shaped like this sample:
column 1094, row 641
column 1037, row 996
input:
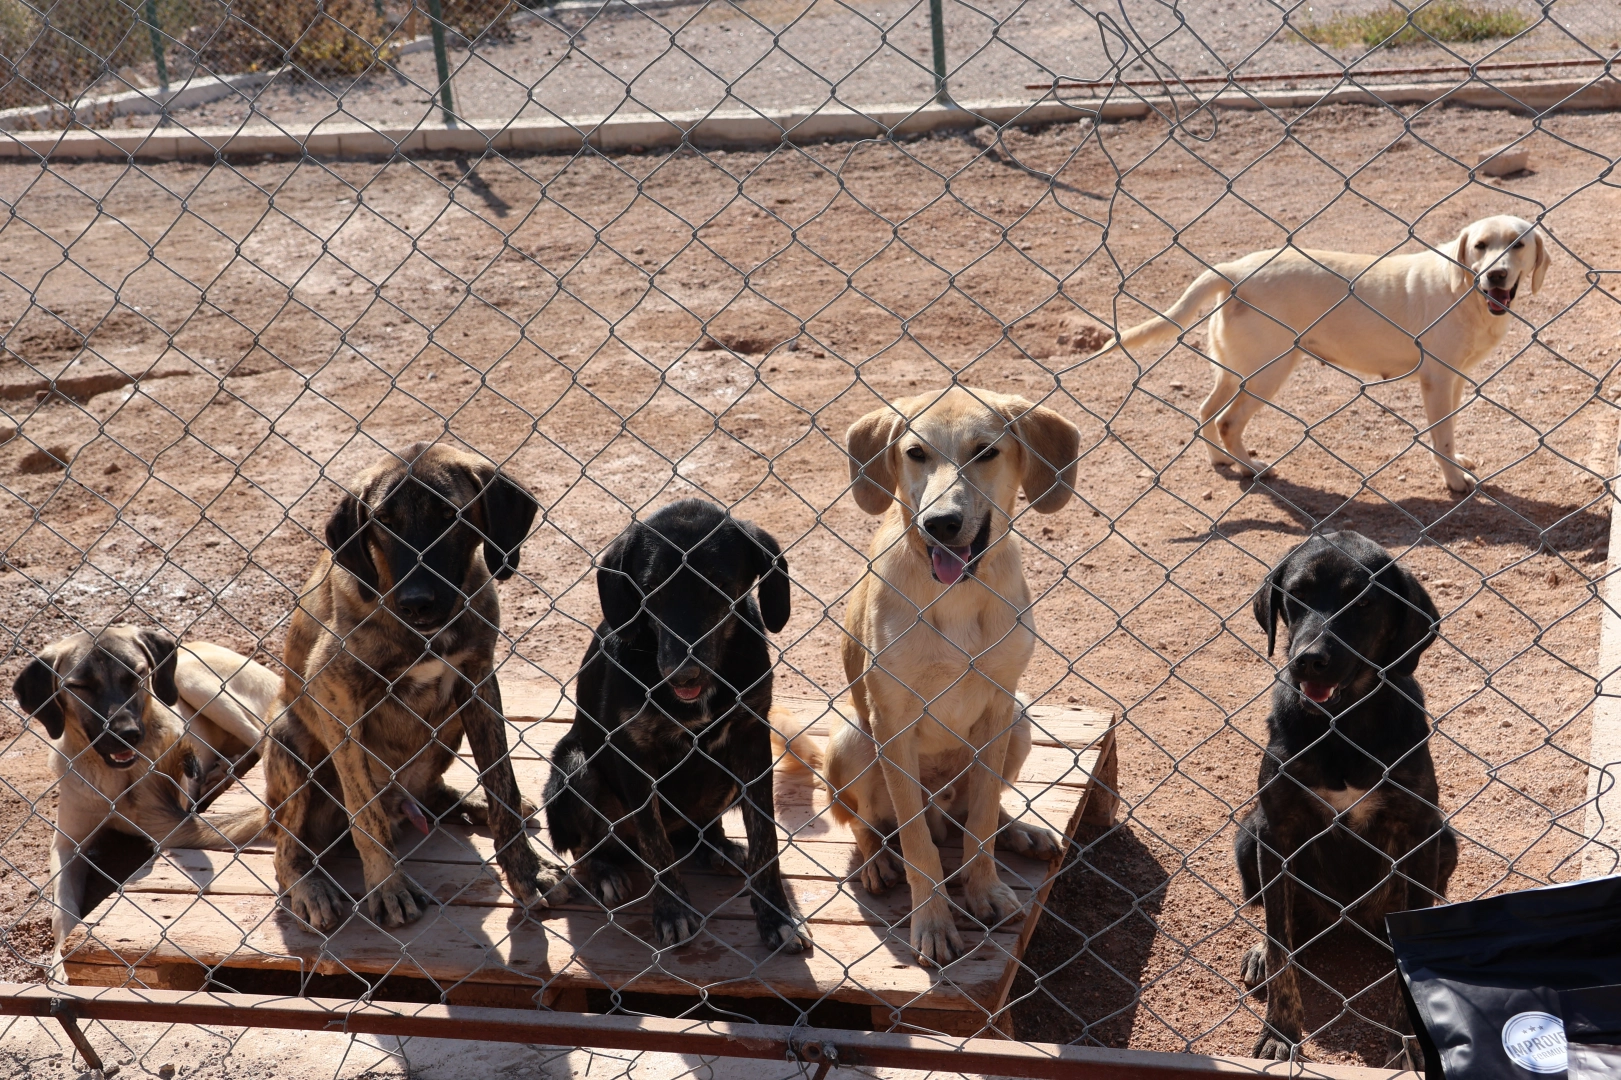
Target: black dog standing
column 1347, row 822
column 671, row 727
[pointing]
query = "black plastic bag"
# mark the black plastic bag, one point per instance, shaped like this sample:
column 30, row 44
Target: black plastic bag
column 1593, row 1025
column 1481, row 979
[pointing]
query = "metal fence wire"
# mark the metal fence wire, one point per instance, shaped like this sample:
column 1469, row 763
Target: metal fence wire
column 722, row 394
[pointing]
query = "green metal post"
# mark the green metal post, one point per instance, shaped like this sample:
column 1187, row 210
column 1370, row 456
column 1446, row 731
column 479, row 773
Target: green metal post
column 436, row 23
column 937, row 25
column 157, row 42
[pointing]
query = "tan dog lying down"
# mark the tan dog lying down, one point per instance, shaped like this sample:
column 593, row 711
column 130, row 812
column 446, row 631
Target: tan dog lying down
column 1436, row 314
column 143, row 734
column 939, row 632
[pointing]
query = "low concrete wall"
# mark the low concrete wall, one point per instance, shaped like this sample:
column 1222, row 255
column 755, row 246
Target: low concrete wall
column 193, row 92
column 742, row 128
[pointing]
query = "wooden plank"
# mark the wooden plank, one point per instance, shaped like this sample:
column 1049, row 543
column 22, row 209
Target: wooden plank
column 217, row 908
column 216, row 873
column 563, row 949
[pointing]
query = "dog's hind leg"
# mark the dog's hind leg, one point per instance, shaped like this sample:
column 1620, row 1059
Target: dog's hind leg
column 1257, row 389
column 1028, row 840
column 720, row 853
column 1220, row 397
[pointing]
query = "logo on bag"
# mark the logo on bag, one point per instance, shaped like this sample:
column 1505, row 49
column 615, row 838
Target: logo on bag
column 1535, row 1041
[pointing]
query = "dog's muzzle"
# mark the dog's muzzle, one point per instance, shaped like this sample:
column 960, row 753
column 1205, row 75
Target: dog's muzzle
column 950, row 564
column 1498, row 300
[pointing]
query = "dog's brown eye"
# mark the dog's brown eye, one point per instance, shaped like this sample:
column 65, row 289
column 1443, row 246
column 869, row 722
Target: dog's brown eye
column 916, row 453
column 1518, row 244
column 986, row 453
column 1480, row 245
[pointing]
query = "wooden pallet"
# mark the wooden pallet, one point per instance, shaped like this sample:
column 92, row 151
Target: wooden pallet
column 190, row 916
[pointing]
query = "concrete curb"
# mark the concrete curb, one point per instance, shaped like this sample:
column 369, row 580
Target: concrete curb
column 197, row 91
column 741, row 128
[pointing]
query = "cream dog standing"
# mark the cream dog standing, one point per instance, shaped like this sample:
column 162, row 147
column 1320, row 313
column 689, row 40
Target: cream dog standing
column 939, row 632
column 1436, row 314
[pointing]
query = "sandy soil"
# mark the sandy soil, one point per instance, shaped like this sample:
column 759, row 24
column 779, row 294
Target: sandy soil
column 298, row 318
column 583, row 61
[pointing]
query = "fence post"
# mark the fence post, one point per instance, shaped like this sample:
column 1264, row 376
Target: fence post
column 157, row 42
column 436, row 24
column 937, row 27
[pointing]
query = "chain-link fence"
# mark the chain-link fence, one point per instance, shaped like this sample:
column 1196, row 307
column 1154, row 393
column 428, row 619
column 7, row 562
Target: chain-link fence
column 845, row 273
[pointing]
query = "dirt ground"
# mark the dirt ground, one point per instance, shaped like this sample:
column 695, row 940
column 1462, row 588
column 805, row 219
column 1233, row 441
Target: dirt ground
column 559, row 314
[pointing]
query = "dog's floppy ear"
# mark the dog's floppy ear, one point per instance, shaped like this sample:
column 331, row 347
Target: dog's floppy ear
column 1461, row 277
column 36, row 690
column 771, row 566
column 509, row 514
column 617, row 589
column 1051, row 450
column 1417, row 618
column 162, row 650
column 1269, row 603
column 1540, row 270
column 346, row 536
column 871, row 471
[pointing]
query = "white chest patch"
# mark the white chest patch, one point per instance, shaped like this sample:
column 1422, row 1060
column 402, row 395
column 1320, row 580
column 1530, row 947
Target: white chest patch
column 431, row 676
column 1353, row 803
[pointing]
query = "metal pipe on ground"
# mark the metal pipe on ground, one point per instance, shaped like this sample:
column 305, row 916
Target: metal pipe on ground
column 994, row 1057
column 1294, row 76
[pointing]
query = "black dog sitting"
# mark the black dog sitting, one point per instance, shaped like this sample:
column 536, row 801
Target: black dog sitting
column 671, row 723
column 1347, row 823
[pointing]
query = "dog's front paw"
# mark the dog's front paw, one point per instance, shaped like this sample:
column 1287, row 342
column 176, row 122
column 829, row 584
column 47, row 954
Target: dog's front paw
column 778, row 932
column 1252, row 966
column 674, row 923
column 1027, row 840
column 395, row 901
column 1272, row 1046
column 317, row 902
column 550, row 886
column 934, row 934
column 991, row 904
column 882, row 872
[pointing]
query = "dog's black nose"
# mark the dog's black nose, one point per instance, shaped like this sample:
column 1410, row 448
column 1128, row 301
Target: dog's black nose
column 943, row 527
column 415, row 600
column 1497, row 277
column 1311, row 663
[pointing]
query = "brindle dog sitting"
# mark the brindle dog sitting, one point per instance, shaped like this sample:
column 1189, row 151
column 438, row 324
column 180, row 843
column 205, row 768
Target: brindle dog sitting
column 390, row 660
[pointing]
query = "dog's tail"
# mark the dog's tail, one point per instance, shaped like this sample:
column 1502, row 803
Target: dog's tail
column 797, row 753
column 1208, row 289
column 171, row 827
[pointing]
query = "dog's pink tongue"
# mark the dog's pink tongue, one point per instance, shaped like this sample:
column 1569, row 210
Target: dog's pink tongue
column 1498, row 300
column 1318, row 691
column 949, row 562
